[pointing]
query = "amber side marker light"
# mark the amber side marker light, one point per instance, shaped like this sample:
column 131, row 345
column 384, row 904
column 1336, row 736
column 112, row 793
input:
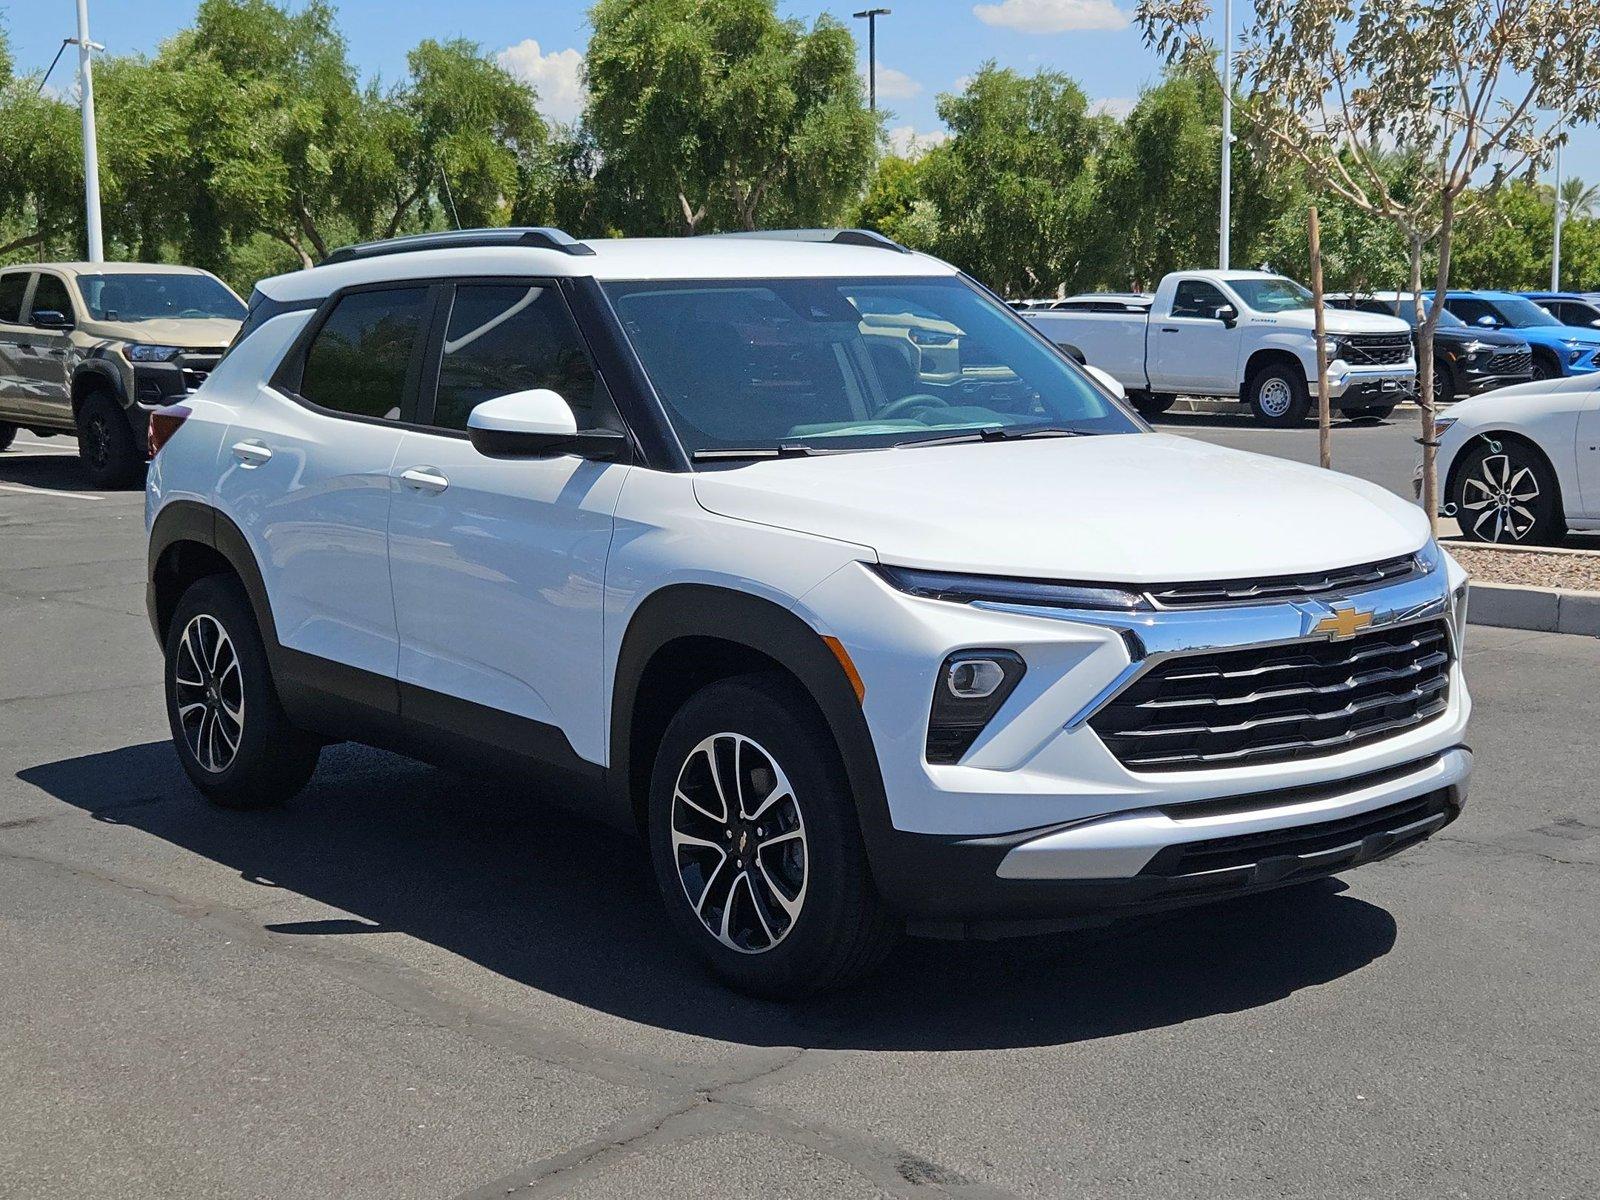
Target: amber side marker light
column 164, row 422
column 850, row 672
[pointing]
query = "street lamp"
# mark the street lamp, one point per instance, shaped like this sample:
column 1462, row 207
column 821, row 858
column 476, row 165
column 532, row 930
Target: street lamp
column 1555, row 243
column 91, row 150
column 872, row 15
column 1225, row 215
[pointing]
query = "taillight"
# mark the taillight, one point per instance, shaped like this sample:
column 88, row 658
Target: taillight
column 164, row 422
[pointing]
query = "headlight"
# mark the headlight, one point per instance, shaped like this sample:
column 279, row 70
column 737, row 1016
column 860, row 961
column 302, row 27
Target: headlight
column 1575, row 350
column 142, row 353
column 969, row 589
column 1440, row 424
column 1335, row 348
column 1430, row 558
column 1476, row 347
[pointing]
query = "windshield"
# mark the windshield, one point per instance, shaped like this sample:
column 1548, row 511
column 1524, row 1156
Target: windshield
column 1405, row 308
column 1271, row 295
column 150, row 297
column 850, row 363
column 1522, row 313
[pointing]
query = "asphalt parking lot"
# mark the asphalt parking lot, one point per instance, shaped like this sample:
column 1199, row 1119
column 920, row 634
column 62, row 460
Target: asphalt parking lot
column 410, row 984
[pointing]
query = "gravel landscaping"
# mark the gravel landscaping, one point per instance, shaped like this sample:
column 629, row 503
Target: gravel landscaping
column 1578, row 570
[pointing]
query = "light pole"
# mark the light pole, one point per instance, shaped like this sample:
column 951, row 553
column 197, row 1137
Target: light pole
column 1555, row 244
column 872, row 15
column 91, row 149
column 1225, row 215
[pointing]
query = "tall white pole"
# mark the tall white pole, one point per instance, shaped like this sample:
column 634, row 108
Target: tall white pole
column 1555, row 245
column 1225, row 220
column 91, row 149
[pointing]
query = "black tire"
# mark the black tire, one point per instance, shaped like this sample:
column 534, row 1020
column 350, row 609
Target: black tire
column 8, row 434
column 106, row 444
column 1278, row 396
column 840, row 930
column 1378, row 412
column 1444, row 384
column 1152, row 404
column 270, row 760
column 1512, row 493
column 1545, row 367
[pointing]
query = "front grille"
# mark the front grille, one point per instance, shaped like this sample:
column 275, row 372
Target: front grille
column 1512, row 362
column 1376, row 349
column 1278, row 703
column 1279, row 587
column 198, row 365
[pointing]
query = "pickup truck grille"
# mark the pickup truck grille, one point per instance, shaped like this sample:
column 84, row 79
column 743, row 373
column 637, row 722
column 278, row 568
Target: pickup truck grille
column 1278, row 703
column 1376, row 349
column 1512, row 362
column 1284, row 587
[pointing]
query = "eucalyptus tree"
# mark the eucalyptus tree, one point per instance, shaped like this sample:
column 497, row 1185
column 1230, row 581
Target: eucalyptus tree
column 1476, row 90
column 41, row 164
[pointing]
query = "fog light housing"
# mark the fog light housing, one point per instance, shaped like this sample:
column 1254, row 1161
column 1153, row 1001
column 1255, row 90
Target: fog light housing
column 971, row 687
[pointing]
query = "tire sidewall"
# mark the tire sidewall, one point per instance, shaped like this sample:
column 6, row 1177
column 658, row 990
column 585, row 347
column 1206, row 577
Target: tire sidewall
column 122, row 456
column 1299, row 403
column 794, row 735
column 1548, row 525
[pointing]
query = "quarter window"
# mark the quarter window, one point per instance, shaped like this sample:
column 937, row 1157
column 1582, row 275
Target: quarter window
column 12, row 288
column 359, row 359
column 1196, row 298
column 504, row 338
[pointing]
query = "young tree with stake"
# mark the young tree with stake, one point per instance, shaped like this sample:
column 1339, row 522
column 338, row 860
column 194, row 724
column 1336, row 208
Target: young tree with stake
column 1476, row 91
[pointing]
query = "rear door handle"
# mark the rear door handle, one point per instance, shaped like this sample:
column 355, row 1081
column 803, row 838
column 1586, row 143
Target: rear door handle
column 424, row 479
column 252, row 453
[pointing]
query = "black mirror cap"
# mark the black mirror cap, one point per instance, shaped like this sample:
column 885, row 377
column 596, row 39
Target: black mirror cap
column 600, row 445
column 50, row 318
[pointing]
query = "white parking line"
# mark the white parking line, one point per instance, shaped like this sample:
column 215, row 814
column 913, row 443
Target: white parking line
column 25, row 490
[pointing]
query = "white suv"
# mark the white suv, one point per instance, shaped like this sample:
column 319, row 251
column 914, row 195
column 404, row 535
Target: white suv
column 809, row 559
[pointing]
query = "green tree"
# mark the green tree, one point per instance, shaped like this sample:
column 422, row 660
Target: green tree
column 41, row 171
column 896, row 203
column 716, row 113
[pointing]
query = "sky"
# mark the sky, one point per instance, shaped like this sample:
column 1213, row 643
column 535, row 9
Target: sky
column 925, row 47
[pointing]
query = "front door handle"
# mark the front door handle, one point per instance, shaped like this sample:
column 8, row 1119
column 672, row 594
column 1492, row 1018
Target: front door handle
column 1169, row 329
column 251, row 453
column 424, row 479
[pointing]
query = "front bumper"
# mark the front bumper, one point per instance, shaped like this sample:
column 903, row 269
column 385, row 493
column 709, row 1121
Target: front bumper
column 1366, row 390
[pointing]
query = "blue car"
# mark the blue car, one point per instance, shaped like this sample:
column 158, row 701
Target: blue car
column 1569, row 308
column 1557, row 349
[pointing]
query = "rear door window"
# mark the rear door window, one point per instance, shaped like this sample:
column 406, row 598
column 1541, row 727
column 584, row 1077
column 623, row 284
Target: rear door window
column 13, row 287
column 365, row 353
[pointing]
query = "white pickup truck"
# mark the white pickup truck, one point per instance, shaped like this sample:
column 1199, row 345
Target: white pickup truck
column 1243, row 334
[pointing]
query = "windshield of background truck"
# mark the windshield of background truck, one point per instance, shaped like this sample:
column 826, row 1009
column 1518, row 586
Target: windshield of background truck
column 134, row 297
column 849, row 363
column 1271, row 295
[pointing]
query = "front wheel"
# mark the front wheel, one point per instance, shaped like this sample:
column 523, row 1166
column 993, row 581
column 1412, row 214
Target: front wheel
column 1152, row 404
column 1278, row 396
column 1506, row 492
column 106, row 443
column 1545, row 367
column 8, row 434
column 757, row 846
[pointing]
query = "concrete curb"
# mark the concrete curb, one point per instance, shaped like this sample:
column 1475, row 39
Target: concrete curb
column 1543, row 610
column 1187, row 404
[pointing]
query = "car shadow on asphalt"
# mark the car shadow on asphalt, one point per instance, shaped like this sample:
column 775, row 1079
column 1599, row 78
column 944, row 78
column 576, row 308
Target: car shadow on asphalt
column 45, row 470
column 485, row 872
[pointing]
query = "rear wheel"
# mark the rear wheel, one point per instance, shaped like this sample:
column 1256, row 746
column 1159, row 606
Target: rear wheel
column 756, row 844
column 1505, row 491
column 1278, row 395
column 106, row 444
column 232, row 737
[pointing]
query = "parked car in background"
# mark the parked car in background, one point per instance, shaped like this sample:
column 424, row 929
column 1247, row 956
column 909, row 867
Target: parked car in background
column 91, row 348
column 1466, row 360
column 1570, row 308
column 1557, row 349
column 813, row 564
column 1235, row 334
column 1522, row 464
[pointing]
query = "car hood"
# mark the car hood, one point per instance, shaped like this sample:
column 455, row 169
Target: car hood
column 1135, row 508
column 1554, row 335
column 1489, row 337
column 1336, row 321
column 188, row 332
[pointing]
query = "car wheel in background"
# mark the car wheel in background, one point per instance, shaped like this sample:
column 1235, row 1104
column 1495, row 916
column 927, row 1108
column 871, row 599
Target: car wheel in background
column 1278, row 395
column 1504, row 491
column 1152, row 404
column 8, row 434
column 1378, row 412
column 232, row 737
column 1545, row 367
column 110, row 452
column 756, row 842
column 1444, row 384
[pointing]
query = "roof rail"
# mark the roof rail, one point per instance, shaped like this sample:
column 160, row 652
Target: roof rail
column 840, row 237
column 542, row 238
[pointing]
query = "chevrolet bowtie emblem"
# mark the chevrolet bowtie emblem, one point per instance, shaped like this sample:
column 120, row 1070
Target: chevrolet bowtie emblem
column 1343, row 623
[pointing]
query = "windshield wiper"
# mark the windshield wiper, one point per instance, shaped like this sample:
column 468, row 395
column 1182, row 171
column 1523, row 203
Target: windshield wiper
column 735, row 453
column 996, row 433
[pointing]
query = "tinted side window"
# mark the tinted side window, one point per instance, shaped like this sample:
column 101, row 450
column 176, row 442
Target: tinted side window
column 1196, row 298
column 12, row 288
column 1469, row 310
column 51, row 296
column 358, row 361
column 504, row 338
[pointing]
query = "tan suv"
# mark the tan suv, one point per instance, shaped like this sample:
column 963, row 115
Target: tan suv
column 91, row 348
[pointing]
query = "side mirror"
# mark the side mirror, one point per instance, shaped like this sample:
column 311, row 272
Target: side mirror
column 50, row 318
column 1488, row 322
column 538, row 424
column 1227, row 314
column 1106, row 380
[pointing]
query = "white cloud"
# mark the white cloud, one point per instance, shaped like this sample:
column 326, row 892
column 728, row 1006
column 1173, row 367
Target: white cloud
column 557, row 77
column 893, row 84
column 1052, row 16
column 906, row 142
column 1115, row 106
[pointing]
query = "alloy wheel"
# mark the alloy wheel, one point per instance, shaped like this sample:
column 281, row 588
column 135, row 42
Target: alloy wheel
column 209, row 691
column 1500, row 494
column 739, row 843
